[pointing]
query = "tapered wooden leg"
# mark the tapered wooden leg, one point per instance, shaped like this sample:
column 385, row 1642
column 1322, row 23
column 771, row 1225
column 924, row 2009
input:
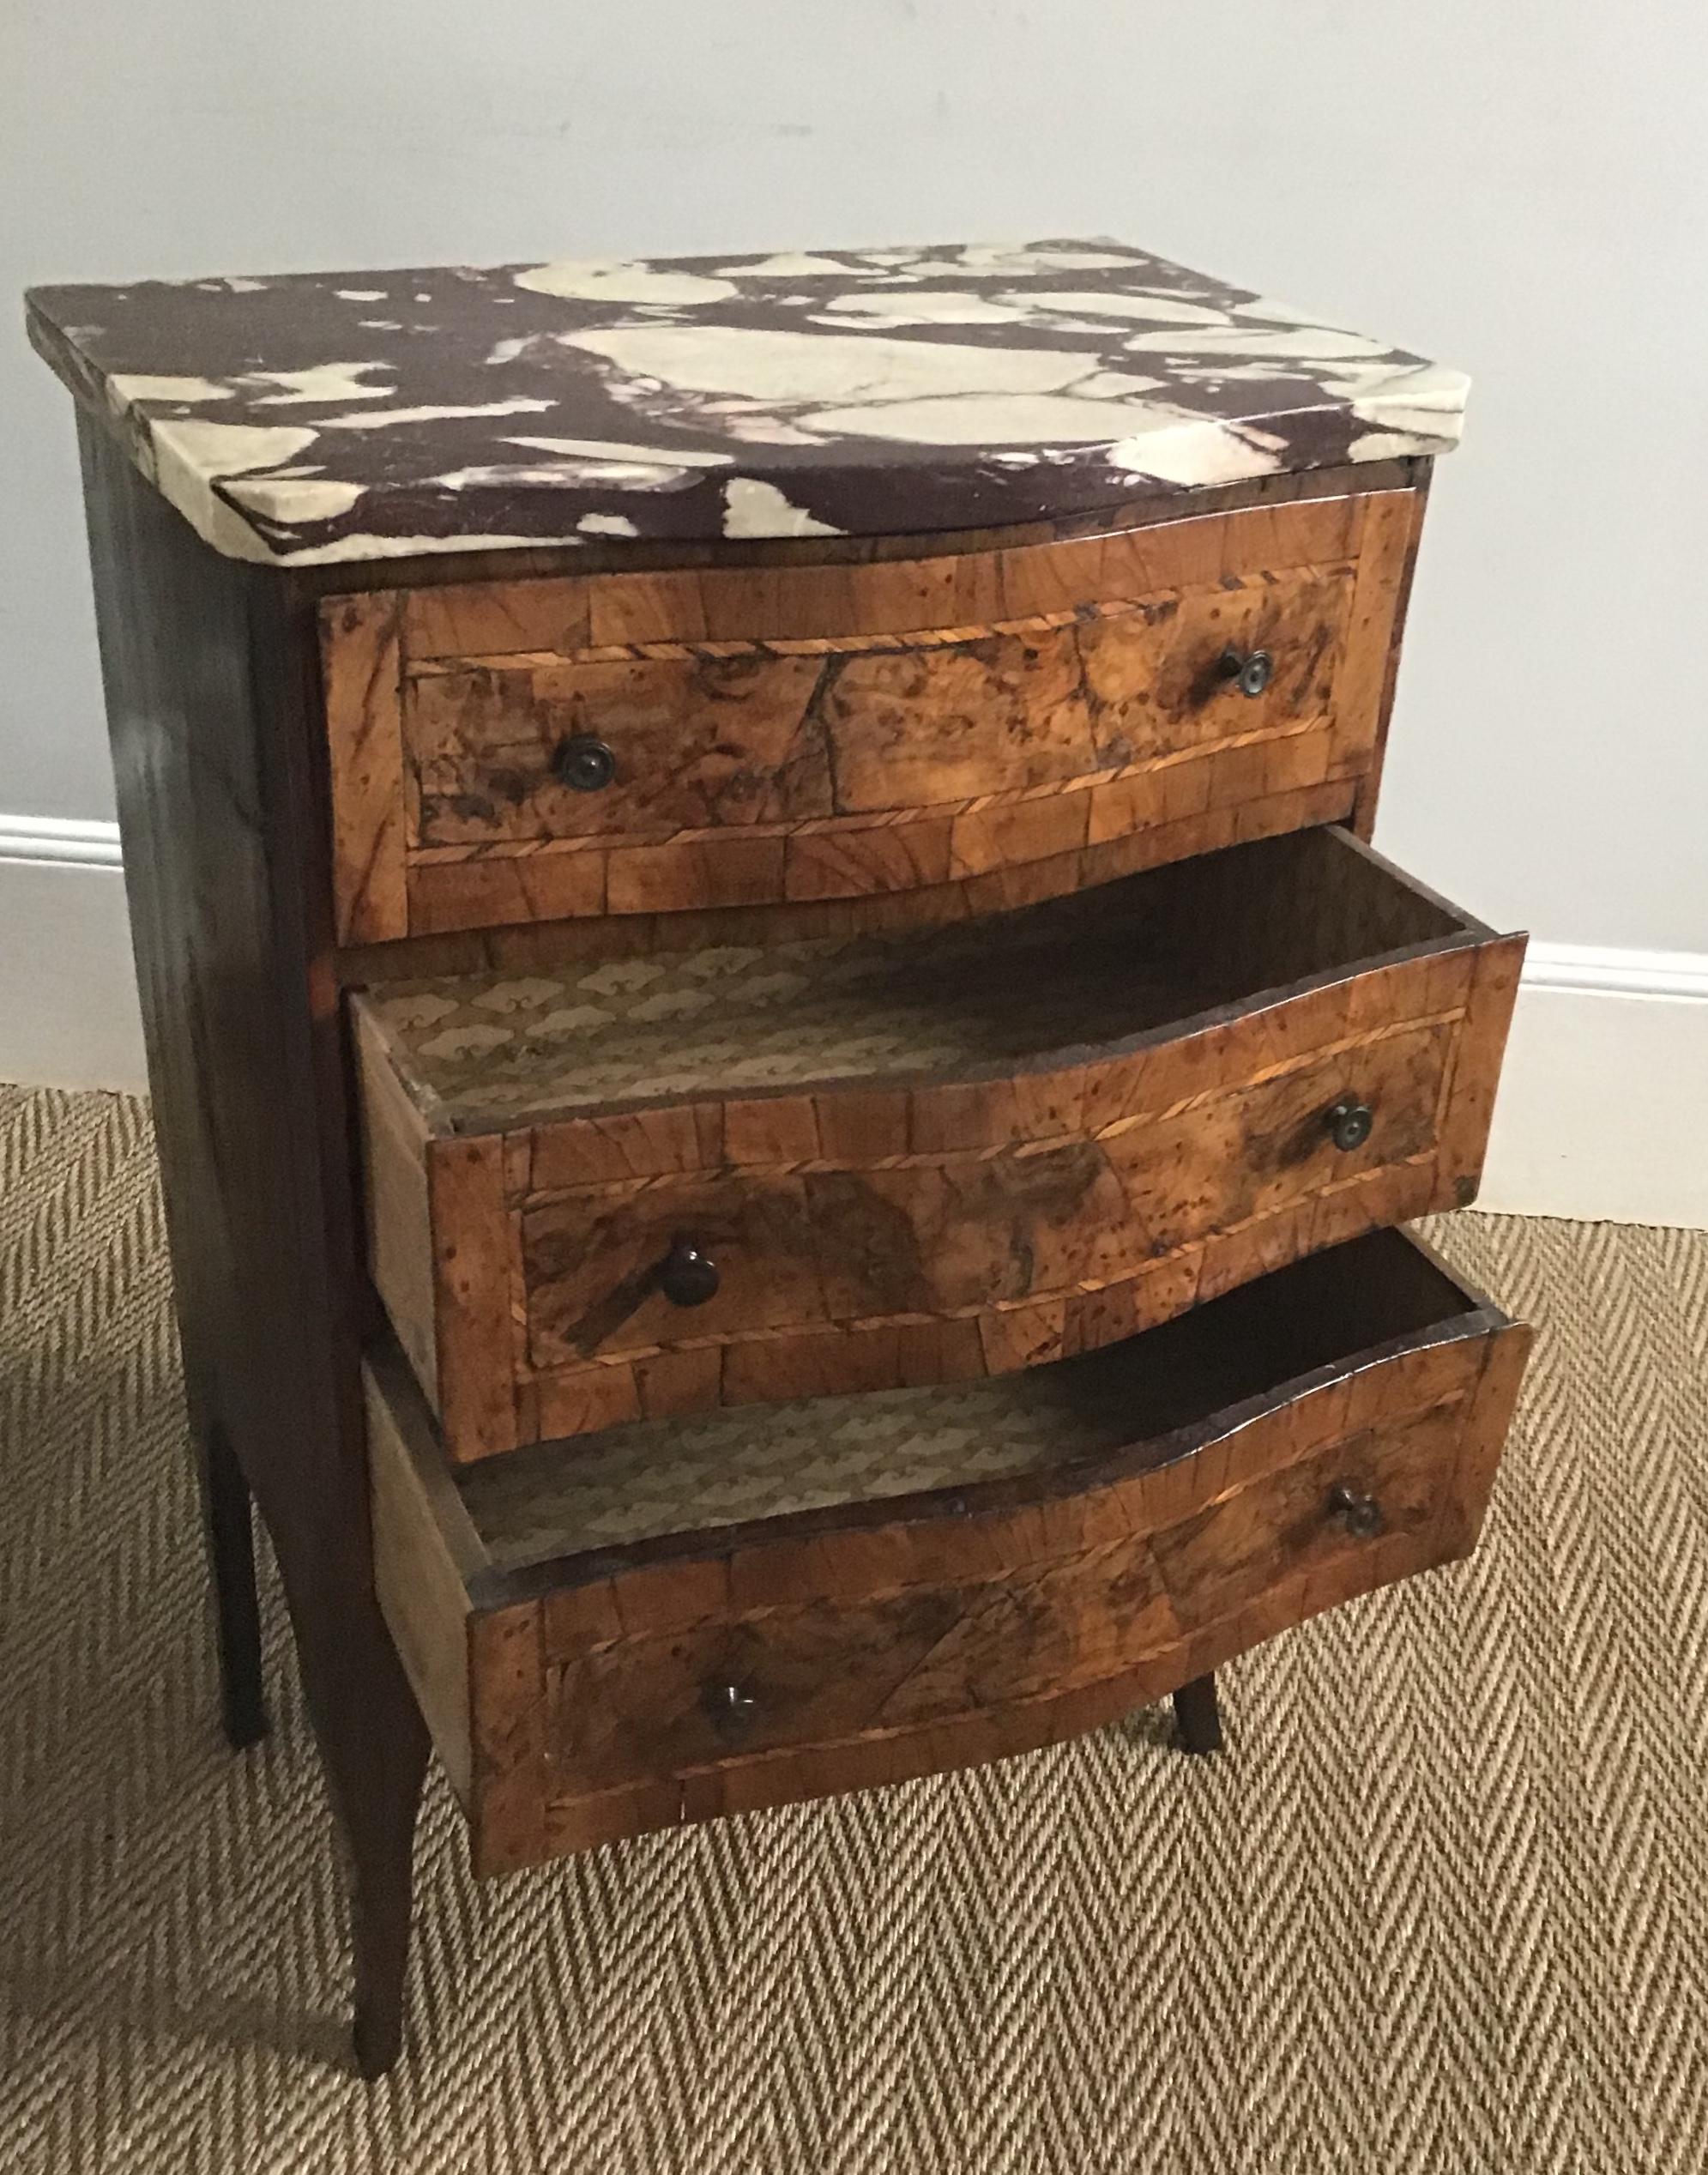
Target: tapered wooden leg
column 375, row 1746
column 229, row 1533
column 1198, row 1717
column 372, row 1735
column 382, row 1890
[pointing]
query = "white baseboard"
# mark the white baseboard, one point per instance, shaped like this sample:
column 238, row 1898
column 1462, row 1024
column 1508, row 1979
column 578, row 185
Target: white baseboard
column 1599, row 1115
column 68, row 993
column 1602, row 1102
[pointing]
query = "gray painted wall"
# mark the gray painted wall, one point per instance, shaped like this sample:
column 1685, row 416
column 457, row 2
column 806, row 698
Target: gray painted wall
column 1522, row 191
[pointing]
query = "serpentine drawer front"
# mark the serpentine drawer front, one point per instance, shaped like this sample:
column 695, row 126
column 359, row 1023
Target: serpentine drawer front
column 626, row 743
column 667, row 1620
column 657, row 1183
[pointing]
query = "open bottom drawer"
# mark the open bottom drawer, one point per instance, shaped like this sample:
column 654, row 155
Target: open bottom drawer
column 672, row 1620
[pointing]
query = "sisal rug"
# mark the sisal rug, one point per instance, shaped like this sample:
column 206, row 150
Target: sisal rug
column 1443, row 1905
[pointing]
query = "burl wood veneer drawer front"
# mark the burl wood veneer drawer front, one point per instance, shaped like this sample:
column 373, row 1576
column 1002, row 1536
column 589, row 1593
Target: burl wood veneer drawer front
column 654, row 1185
column 675, row 1620
column 633, row 743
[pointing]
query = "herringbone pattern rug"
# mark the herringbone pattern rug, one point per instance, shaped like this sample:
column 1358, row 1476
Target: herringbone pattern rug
column 1443, row 1906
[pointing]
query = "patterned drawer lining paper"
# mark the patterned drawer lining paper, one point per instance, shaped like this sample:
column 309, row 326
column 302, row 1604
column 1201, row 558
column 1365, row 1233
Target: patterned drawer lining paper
column 494, row 1049
column 652, row 1477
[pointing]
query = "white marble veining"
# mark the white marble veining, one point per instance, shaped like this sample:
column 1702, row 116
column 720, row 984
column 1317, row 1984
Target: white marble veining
column 795, row 393
column 752, row 508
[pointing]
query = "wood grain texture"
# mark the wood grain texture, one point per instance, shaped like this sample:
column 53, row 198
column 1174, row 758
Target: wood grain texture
column 1065, row 1127
column 212, row 691
column 470, row 1226
column 735, row 736
column 699, row 1673
column 1387, row 542
column 508, row 1811
column 1036, row 1607
column 844, row 729
column 530, row 946
column 361, row 646
column 1487, row 1424
column 424, row 1550
column 1488, row 1019
column 398, row 1213
column 954, row 1231
column 995, row 579
column 1370, row 783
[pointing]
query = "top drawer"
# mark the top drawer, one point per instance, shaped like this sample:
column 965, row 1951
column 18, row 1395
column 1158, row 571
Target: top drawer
column 637, row 743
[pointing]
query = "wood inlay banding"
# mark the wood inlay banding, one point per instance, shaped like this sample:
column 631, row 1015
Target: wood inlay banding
column 945, row 1154
column 922, row 1577
column 837, row 731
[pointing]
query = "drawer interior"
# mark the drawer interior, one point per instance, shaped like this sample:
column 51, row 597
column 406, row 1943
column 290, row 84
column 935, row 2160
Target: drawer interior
column 1107, row 966
column 1166, row 1389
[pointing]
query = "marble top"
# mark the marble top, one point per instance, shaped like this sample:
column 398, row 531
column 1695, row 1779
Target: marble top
column 356, row 415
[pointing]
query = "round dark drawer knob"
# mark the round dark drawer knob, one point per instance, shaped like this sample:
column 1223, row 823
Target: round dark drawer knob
column 731, row 1709
column 584, row 764
column 1362, row 1515
column 1348, row 1123
column 688, row 1276
column 1249, row 670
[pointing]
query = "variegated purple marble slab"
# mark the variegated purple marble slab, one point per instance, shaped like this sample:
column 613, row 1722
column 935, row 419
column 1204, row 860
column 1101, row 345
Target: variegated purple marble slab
column 356, row 415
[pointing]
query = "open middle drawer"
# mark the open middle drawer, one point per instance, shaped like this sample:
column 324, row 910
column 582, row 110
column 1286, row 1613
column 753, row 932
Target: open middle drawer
column 655, row 1184
column 676, row 1619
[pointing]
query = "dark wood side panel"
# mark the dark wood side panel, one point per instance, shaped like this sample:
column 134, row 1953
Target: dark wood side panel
column 212, row 688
